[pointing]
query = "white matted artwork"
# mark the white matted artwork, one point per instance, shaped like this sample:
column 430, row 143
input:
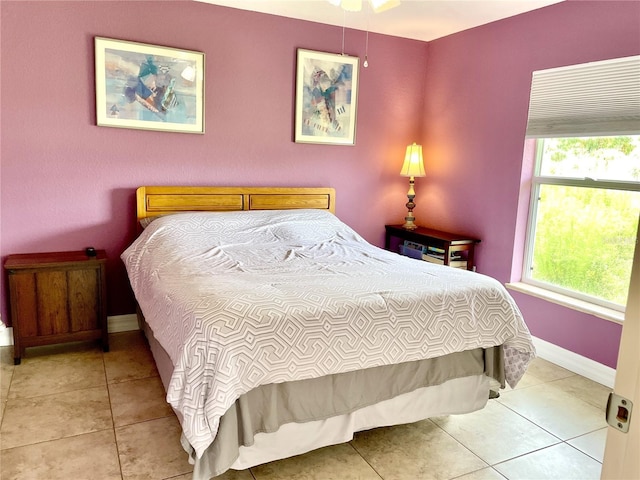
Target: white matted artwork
column 149, row 87
column 326, row 98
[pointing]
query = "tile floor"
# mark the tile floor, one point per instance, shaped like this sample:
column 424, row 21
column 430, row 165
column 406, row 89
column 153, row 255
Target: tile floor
column 73, row 412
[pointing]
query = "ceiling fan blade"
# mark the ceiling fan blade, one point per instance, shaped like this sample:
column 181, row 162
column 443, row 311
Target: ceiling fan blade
column 356, row 5
column 382, row 5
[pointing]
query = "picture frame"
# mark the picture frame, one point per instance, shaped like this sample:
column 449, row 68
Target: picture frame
column 326, row 98
column 148, row 87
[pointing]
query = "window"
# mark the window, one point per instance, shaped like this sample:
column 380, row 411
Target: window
column 584, row 217
column 585, row 189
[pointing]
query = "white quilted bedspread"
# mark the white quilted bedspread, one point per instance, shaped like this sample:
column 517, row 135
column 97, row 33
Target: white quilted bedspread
column 240, row 299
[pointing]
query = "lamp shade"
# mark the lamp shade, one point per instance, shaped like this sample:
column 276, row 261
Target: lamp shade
column 413, row 164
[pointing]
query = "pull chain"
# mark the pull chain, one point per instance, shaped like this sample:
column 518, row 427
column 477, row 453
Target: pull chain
column 366, row 44
column 366, row 50
column 344, row 22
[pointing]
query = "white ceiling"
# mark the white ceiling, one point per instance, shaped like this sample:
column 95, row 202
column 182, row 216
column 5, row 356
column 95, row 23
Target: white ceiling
column 418, row 19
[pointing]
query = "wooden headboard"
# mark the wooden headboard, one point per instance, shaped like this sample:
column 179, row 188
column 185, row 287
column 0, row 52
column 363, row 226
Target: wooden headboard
column 154, row 201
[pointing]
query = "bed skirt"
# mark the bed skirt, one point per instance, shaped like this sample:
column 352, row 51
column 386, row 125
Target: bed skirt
column 282, row 420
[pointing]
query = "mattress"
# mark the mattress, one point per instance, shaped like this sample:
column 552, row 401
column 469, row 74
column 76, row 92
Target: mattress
column 239, row 300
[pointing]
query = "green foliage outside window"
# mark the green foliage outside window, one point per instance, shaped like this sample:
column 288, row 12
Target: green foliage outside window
column 585, row 237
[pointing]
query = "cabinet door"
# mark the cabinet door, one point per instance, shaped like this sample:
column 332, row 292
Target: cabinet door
column 23, row 303
column 83, row 299
column 51, row 291
column 53, row 302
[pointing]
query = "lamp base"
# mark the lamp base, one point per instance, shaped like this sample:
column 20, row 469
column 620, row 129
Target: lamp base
column 409, row 219
column 408, row 223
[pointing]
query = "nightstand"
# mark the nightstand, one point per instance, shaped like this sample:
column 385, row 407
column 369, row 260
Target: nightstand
column 434, row 246
column 56, row 298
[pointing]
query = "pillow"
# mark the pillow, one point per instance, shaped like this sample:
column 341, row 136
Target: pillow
column 144, row 222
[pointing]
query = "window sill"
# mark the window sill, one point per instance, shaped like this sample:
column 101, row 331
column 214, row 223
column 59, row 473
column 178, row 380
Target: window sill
column 569, row 302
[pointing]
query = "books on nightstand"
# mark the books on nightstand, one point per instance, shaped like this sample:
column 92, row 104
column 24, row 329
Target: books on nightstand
column 412, row 249
column 440, row 261
column 432, row 254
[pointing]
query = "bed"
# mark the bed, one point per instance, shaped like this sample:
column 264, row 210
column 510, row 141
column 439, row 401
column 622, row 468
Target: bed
column 277, row 329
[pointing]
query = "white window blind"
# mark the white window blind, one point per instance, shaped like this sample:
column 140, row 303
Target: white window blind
column 590, row 99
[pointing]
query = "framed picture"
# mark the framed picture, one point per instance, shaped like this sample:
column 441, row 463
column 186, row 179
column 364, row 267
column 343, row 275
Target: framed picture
column 149, row 87
column 326, row 98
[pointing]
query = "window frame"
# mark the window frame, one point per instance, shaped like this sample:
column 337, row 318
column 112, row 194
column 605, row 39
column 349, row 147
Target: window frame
column 537, row 181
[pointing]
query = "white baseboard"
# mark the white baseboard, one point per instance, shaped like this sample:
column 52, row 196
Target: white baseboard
column 115, row 323
column 6, row 335
column 122, row 323
column 575, row 363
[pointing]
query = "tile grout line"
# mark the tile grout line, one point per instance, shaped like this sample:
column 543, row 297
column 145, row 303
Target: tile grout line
column 113, row 423
column 487, row 464
column 350, row 442
column 543, row 428
column 560, row 441
column 54, row 440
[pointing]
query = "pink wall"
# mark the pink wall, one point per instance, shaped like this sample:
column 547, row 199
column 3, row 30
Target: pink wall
column 67, row 184
column 476, row 108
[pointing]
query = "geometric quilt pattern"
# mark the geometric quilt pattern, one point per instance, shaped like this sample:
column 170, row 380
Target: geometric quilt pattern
column 241, row 299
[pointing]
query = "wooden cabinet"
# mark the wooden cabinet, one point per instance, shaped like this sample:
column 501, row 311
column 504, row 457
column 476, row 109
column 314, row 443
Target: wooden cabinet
column 57, row 297
column 447, row 248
